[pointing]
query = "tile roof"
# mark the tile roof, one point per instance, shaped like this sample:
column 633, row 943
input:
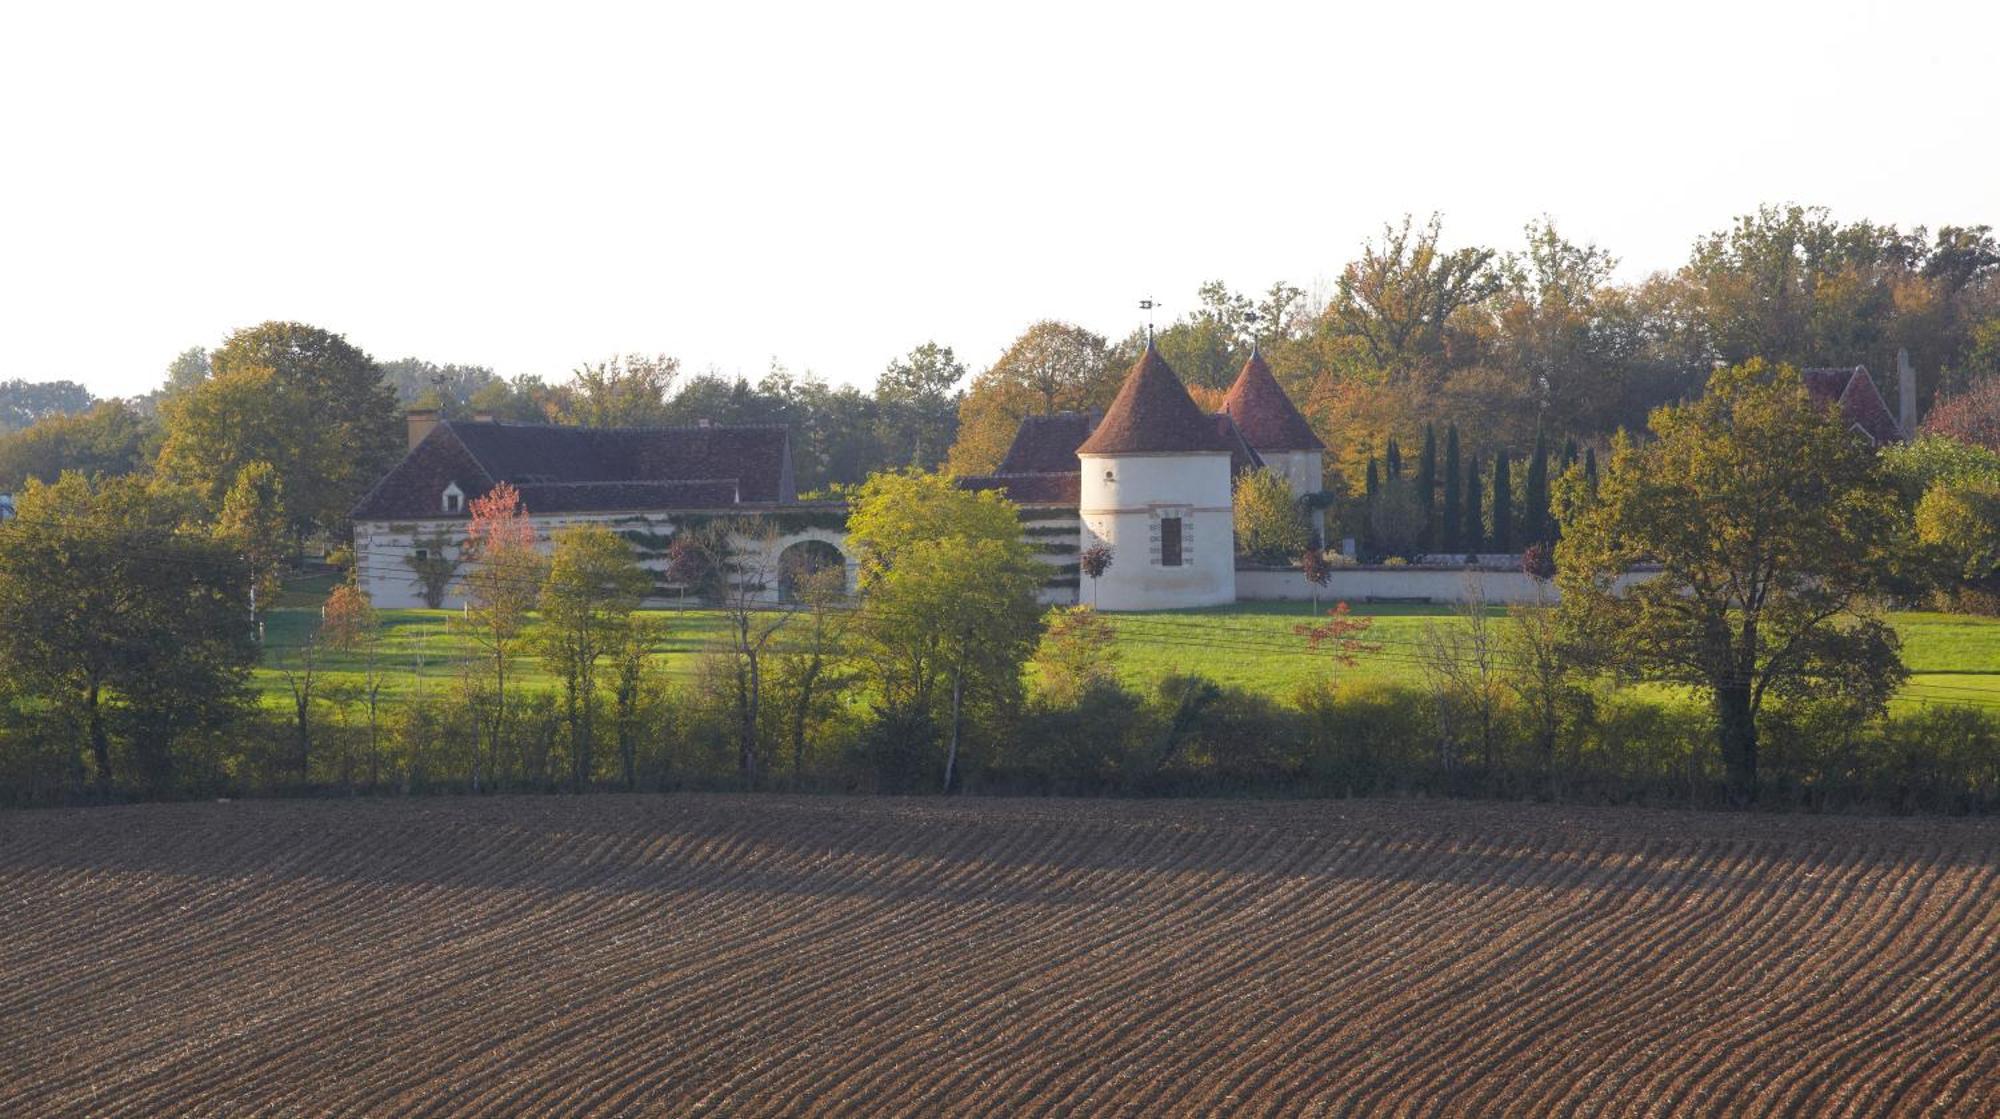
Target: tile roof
column 581, row 469
column 1242, row 456
column 1263, row 412
column 1860, row 402
column 1047, row 444
column 1039, row 488
column 1153, row 414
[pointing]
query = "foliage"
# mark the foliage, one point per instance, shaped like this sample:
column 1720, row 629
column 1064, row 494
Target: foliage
column 1269, row 528
column 1772, row 528
column 587, row 598
column 435, row 559
column 628, row 391
column 26, row 403
column 1972, row 416
column 502, row 582
column 1931, row 460
column 115, row 618
column 1051, row 367
column 1077, row 652
column 917, row 399
column 253, row 522
column 110, row 438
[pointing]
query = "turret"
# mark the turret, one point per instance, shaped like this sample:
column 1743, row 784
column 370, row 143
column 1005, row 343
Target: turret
column 1156, row 490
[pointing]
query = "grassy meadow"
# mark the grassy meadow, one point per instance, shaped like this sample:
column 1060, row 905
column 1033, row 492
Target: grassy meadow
column 1250, row 645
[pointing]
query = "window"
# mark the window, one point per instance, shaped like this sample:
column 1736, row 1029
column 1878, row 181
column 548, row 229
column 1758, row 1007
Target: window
column 454, row 498
column 1170, row 541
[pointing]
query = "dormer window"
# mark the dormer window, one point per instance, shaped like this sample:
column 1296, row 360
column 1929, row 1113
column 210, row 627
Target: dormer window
column 454, row 498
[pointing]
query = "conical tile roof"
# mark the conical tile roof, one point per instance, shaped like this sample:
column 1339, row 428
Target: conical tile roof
column 1153, row 414
column 1264, row 414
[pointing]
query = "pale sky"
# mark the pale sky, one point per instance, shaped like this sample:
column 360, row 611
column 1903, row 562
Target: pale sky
column 527, row 186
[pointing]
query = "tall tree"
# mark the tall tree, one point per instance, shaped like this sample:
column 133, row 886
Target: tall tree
column 348, row 407
column 1051, row 367
column 1427, row 469
column 25, row 403
column 502, row 579
column 628, row 391
column 918, row 401
column 1503, row 504
column 594, row 583
column 1535, row 525
column 1473, row 535
column 110, row 438
column 1773, row 529
column 1269, row 528
column 948, row 601
column 253, row 521
column 1399, row 297
column 1449, row 527
column 115, row 617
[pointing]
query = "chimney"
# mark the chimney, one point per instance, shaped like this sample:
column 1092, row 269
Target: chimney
column 483, row 416
column 422, row 420
column 1906, row 394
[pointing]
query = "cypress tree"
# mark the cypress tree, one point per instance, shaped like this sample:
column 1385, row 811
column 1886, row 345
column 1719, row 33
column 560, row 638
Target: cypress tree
column 1427, row 473
column 1449, row 526
column 1590, row 468
column 1474, row 533
column 1368, row 506
column 1395, row 460
column 1374, row 481
column 1535, row 518
column 1569, row 453
column 1503, row 504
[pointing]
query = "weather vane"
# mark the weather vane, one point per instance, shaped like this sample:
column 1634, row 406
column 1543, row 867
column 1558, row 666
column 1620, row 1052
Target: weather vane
column 1147, row 306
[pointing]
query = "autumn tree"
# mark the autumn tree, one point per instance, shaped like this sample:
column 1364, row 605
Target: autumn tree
column 594, row 583
column 917, row 402
column 109, row 438
column 254, row 521
column 810, row 675
column 1773, row 529
column 1052, row 367
column 1399, row 298
column 1078, row 651
column 350, row 626
column 245, row 416
column 502, row 582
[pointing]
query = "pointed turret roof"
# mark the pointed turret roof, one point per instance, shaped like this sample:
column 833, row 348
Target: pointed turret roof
column 1153, row 414
column 1264, row 414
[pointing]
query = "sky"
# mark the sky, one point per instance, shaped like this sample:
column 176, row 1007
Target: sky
column 531, row 186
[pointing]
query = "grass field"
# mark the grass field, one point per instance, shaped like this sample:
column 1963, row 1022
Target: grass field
column 685, row 955
column 1953, row 657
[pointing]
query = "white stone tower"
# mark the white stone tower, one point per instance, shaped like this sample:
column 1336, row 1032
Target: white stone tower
column 1156, row 490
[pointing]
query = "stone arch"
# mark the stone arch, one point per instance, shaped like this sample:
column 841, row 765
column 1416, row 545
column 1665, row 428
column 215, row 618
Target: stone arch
column 804, row 558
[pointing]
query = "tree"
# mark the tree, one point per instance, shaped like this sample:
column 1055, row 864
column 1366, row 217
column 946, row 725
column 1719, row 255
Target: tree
column 254, row 522
column 1535, row 525
column 1051, row 367
column 732, row 564
column 1078, row 652
column 26, row 403
column 352, row 430
column 185, row 373
column 1092, row 563
column 631, row 661
column 1427, row 485
column 918, row 399
column 111, row 614
column 1398, row 298
column 502, row 581
column 350, row 626
column 594, row 583
column 810, row 676
column 1473, row 535
column 1773, row 529
column 111, row 438
column 1450, row 516
column 1503, row 504
column 628, row 391
column 948, row 600
column 1396, row 520
column 1339, row 636
column 245, row 416
column 1268, row 526
column 1972, row 416
column 1318, row 572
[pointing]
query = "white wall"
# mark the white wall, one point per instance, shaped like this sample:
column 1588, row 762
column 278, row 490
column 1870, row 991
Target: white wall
column 1124, row 499
column 380, row 548
column 1305, row 470
column 1436, row 584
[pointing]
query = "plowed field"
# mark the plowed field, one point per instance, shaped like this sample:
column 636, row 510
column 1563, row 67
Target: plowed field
column 760, row 955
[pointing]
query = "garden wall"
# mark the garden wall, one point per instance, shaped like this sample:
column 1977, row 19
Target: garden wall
column 1500, row 586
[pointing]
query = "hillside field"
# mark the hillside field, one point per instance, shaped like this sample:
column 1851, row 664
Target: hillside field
column 679, row 955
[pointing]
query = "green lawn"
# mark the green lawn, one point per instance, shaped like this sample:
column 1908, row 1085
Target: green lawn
column 1251, row 645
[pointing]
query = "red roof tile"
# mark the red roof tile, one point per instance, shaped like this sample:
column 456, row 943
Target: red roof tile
column 1047, row 444
column 1052, row 488
column 1153, row 414
column 1265, row 414
column 1860, row 402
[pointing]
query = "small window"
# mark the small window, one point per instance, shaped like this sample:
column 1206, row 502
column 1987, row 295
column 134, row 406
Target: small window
column 423, row 554
column 1170, row 541
column 454, row 499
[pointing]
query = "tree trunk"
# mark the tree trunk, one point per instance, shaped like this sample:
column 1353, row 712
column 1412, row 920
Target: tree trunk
column 957, row 717
column 799, row 721
column 1737, row 729
column 100, row 742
